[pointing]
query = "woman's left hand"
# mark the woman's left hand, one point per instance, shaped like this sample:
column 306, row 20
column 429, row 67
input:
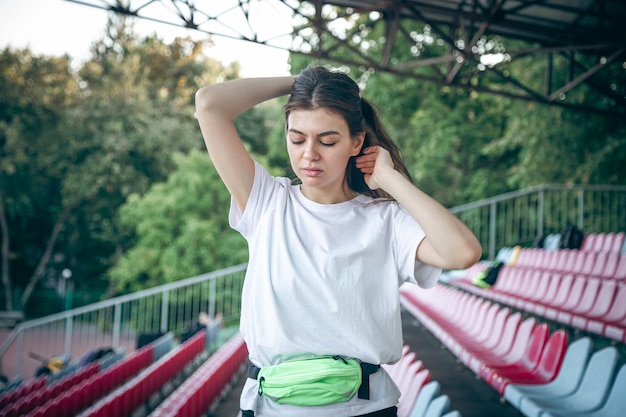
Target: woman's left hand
column 372, row 163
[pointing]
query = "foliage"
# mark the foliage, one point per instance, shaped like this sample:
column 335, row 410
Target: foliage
column 75, row 145
column 181, row 227
column 103, row 170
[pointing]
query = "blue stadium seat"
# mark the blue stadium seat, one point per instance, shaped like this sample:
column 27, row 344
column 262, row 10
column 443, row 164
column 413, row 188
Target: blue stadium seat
column 615, row 404
column 590, row 394
column 427, row 394
column 566, row 382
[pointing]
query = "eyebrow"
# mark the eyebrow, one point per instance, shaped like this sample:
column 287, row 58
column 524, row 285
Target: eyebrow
column 319, row 135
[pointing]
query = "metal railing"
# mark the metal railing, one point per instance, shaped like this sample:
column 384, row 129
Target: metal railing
column 119, row 321
column 519, row 217
column 506, row 220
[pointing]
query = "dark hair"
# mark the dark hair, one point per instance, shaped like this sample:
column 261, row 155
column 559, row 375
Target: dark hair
column 317, row 87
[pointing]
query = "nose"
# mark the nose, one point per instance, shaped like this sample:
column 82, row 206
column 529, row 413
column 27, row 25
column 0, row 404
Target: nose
column 310, row 152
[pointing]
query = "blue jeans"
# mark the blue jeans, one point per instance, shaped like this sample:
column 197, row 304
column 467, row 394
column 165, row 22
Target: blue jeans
column 387, row 412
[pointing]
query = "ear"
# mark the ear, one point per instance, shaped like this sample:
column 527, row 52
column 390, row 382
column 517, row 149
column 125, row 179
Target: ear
column 358, row 144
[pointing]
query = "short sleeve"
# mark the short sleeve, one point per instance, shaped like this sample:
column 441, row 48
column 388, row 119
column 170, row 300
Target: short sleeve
column 264, row 193
column 409, row 234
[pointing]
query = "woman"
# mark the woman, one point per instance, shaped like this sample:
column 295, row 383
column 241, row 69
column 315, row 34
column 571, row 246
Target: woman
column 326, row 255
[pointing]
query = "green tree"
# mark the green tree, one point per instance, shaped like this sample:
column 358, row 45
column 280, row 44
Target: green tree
column 181, row 228
column 34, row 91
column 74, row 146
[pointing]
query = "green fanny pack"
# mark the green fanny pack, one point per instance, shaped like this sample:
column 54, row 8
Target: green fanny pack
column 314, row 381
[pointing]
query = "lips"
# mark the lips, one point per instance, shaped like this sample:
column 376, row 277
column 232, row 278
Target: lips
column 312, row 172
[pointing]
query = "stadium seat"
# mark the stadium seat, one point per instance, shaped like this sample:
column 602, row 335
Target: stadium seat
column 524, row 357
column 505, row 344
column 541, row 371
column 588, row 288
column 601, row 305
column 427, row 394
column 438, row 406
column 561, row 298
column 590, row 394
column 589, row 242
column 570, row 373
column 410, row 392
column 620, row 271
column 527, row 333
column 608, row 324
column 615, row 404
column 548, row 297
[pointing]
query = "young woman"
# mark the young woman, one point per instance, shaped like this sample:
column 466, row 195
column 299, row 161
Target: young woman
column 326, row 255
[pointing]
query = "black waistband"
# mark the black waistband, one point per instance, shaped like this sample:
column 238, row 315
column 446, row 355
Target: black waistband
column 367, row 369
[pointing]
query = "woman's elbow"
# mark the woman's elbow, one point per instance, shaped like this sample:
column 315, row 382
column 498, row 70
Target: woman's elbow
column 204, row 99
column 462, row 256
column 468, row 255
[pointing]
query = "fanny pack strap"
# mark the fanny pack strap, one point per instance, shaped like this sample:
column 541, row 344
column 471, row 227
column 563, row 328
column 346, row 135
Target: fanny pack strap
column 367, row 369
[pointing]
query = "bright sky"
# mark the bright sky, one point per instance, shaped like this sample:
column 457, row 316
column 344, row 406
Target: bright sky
column 57, row 27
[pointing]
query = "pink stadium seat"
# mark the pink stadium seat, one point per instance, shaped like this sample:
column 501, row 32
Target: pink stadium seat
column 551, row 260
column 495, row 334
column 528, row 287
column 589, row 242
column 546, row 369
column 615, row 313
column 524, row 357
column 562, row 296
column 588, row 265
column 599, row 243
column 540, row 259
column 588, row 289
column 601, row 305
column 618, row 243
column 610, row 265
column 515, row 352
column 564, row 259
column 599, row 264
column 548, row 297
column 607, row 245
column 577, row 261
column 478, row 356
column 409, row 395
column 620, row 271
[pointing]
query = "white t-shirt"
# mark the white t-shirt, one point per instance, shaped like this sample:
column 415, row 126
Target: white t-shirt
column 323, row 279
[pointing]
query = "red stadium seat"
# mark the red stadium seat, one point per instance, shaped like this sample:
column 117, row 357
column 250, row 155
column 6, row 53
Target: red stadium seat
column 545, row 370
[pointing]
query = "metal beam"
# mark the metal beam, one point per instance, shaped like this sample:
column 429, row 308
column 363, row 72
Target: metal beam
column 581, row 28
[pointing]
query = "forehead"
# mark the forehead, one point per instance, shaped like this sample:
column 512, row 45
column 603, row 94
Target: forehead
column 316, row 120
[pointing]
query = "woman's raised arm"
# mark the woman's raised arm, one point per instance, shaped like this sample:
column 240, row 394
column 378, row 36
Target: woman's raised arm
column 217, row 106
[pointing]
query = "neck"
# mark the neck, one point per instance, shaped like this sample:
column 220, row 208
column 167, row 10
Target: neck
column 325, row 197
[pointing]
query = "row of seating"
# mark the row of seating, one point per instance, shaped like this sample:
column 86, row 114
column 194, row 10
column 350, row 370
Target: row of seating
column 583, row 302
column 586, row 383
column 22, row 390
column 202, row 389
column 554, row 380
column 612, row 242
column 23, row 404
column 138, row 390
column 420, row 397
column 494, row 343
column 606, row 265
column 72, row 394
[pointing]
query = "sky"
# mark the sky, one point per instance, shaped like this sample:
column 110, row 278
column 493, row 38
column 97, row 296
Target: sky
column 57, row 27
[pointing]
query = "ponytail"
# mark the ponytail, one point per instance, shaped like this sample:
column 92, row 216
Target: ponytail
column 375, row 135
